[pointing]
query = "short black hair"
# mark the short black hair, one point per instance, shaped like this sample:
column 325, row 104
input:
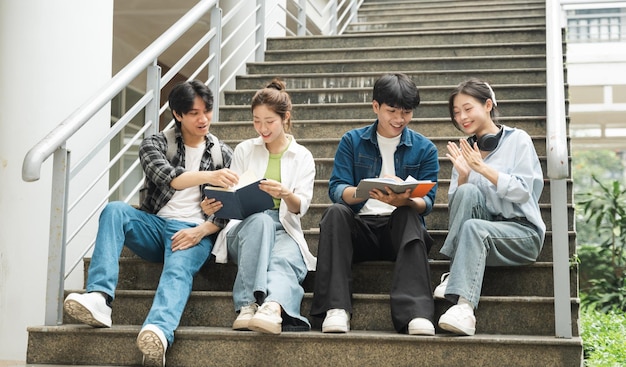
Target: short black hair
column 396, row 90
column 182, row 96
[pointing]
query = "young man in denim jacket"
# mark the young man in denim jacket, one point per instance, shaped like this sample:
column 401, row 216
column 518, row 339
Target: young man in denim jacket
column 386, row 226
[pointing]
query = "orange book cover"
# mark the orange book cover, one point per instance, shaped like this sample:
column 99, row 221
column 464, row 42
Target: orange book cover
column 422, row 189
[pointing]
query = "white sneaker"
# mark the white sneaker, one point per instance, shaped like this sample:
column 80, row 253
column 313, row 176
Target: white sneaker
column 88, row 308
column 336, row 321
column 440, row 290
column 267, row 319
column 152, row 343
column 421, row 326
column 459, row 319
column 245, row 314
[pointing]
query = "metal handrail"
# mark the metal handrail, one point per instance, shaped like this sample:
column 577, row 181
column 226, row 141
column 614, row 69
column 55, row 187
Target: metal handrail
column 558, row 171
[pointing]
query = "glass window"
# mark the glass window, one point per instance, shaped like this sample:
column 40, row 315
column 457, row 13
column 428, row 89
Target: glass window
column 595, row 25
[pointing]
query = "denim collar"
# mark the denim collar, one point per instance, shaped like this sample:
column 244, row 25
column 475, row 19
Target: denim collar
column 369, row 133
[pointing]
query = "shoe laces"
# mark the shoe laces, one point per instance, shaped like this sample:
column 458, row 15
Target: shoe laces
column 268, row 309
column 251, row 309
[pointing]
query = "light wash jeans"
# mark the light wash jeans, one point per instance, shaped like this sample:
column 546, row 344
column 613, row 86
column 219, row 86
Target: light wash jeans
column 270, row 267
column 476, row 239
column 148, row 236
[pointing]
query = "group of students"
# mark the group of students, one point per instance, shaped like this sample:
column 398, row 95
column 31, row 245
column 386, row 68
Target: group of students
column 493, row 203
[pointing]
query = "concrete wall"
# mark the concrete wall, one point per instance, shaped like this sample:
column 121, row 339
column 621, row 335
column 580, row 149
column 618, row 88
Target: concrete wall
column 53, row 56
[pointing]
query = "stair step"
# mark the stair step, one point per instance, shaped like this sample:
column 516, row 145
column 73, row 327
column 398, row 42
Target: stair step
column 397, row 64
column 213, row 346
column 410, row 22
column 324, row 166
column 370, row 312
column 366, row 79
column 439, row 236
column 445, row 10
column 437, row 219
column 526, row 48
column 327, row 147
column 434, row 37
column 320, row 192
column 442, row 7
column 364, row 94
column 309, row 129
column 370, row 277
column 363, row 111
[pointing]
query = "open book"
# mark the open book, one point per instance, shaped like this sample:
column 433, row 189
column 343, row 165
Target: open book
column 241, row 200
column 420, row 187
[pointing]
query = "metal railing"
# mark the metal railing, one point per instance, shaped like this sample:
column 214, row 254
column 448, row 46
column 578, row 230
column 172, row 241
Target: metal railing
column 211, row 64
column 558, row 172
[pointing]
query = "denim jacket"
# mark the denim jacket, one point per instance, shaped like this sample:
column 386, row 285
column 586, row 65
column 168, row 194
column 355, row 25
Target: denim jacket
column 358, row 157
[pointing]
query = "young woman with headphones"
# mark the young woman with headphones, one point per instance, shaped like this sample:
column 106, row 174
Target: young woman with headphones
column 493, row 202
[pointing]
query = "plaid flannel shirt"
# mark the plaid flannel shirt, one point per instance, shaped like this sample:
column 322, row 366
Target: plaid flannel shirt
column 160, row 172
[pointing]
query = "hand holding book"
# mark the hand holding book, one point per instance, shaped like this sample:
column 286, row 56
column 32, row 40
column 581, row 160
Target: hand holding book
column 419, row 187
column 241, row 200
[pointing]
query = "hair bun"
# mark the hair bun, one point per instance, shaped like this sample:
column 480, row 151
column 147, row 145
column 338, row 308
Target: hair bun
column 276, row 84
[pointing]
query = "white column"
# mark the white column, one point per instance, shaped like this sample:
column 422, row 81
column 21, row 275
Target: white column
column 53, row 56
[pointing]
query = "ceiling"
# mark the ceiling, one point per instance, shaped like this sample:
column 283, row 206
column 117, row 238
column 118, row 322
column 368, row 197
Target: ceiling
column 137, row 23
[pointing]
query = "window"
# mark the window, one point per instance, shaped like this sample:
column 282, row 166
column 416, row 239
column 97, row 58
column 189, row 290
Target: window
column 595, row 25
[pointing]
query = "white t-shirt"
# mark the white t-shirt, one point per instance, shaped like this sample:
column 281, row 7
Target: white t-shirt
column 387, row 147
column 185, row 204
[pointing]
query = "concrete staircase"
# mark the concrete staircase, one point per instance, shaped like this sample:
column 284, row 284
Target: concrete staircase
column 439, row 44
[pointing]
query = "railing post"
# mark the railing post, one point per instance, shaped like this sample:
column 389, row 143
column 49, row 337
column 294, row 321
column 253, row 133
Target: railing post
column 301, row 18
column 260, row 32
column 153, row 85
column 56, row 248
column 557, row 170
column 333, row 18
column 215, row 49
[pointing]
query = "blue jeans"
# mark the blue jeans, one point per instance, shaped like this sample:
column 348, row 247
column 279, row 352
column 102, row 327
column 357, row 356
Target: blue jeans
column 270, row 267
column 476, row 239
column 148, row 236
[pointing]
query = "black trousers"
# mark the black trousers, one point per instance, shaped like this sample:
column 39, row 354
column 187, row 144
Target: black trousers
column 346, row 238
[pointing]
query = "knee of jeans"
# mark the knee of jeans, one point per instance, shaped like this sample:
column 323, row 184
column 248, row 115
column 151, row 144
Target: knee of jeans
column 467, row 190
column 115, row 207
column 260, row 220
column 473, row 231
column 184, row 265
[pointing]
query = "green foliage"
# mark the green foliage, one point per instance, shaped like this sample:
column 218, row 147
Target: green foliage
column 605, row 209
column 600, row 203
column 593, row 265
column 605, row 166
column 604, row 337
